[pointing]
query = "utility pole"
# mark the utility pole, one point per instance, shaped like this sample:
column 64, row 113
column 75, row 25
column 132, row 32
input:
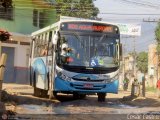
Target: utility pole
column 123, row 64
column 158, row 65
column 134, row 56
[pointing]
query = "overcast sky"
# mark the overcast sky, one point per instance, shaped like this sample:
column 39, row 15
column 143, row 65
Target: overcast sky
column 132, row 11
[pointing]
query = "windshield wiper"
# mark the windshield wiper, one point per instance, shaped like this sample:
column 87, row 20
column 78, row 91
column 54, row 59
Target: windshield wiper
column 78, row 38
column 95, row 70
column 102, row 38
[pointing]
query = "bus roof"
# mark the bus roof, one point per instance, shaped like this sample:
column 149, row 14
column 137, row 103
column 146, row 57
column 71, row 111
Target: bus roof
column 52, row 26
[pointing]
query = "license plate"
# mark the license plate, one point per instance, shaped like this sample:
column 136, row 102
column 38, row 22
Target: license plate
column 88, row 85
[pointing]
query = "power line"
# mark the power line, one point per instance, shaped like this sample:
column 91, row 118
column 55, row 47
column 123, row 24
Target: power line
column 85, row 10
column 89, row 8
column 142, row 4
column 51, row 17
column 129, row 13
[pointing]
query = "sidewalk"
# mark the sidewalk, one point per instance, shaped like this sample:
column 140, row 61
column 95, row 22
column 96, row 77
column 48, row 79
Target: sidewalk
column 17, row 88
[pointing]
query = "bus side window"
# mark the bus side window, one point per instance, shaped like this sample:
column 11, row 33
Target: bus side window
column 44, row 51
column 50, row 49
column 49, row 43
column 36, row 47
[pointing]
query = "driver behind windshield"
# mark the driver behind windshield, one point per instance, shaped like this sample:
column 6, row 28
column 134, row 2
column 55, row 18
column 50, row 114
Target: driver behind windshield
column 66, row 52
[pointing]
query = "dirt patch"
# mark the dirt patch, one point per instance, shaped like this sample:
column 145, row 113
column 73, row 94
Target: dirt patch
column 141, row 101
column 24, row 99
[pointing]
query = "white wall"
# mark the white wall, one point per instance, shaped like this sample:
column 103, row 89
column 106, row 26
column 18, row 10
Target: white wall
column 21, row 59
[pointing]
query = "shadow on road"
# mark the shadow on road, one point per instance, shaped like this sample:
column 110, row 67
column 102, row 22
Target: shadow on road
column 25, row 99
column 141, row 101
column 90, row 100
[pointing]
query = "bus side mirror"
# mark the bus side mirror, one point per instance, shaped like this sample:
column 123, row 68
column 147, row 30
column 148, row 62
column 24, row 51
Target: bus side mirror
column 55, row 38
column 120, row 52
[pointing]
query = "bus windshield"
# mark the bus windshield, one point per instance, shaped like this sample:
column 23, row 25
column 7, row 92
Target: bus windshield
column 87, row 50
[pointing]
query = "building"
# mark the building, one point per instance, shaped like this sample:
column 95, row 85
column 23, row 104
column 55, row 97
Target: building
column 152, row 65
column 128, row 63
column 26, row 16
column 129, row 68
column 20, row 18
column 17, row 51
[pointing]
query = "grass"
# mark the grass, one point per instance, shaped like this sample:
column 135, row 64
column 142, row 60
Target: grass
column 150, row 89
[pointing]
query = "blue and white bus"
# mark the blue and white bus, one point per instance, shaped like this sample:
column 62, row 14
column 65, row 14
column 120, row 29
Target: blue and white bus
column 82, row 57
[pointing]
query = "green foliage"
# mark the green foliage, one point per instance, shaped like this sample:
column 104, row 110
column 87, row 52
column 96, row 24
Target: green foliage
column 133, row 53
column 151, row 89
column 76, row 8
column 158, row 48
column 4, row 35
column 157, row 34
column 142, row 62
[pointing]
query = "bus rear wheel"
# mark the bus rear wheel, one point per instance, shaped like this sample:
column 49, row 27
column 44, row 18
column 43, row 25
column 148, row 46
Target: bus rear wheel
column 40, row 92
column 101, row 97
column 55, row 94
column 37, row 92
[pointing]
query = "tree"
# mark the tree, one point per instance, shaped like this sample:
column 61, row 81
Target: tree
column 142, row 65
column 142, row 62
column 76, row 8
column 157, row 35
column 6, row 4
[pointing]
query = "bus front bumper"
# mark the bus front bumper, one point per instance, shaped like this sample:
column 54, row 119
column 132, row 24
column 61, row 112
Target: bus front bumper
column 85, row 87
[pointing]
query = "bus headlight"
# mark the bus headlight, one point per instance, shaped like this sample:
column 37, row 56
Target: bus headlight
column 64, row 77
column 116, row 77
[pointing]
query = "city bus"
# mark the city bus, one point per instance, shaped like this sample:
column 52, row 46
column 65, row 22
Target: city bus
column 82, row 57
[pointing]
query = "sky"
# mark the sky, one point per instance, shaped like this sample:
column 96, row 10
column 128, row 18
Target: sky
column 132, row 12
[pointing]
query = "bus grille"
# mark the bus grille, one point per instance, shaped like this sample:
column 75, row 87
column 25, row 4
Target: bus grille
column 87, row 80
column 81, row 87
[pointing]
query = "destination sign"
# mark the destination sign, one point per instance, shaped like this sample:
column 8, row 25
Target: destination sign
column 90, row 27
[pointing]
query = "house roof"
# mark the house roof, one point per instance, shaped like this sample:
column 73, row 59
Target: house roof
column 44, row 3
column 41, row 4
column 20, row 37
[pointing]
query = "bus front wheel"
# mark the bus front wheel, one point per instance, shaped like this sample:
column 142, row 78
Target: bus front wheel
column 101, row 97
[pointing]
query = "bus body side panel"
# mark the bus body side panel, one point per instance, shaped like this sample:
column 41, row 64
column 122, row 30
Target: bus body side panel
column 66, row 86
column 40, row 71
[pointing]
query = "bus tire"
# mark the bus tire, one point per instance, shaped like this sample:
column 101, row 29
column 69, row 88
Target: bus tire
column 44, row 93
column 40, row 92
column 76, row 95
column 37, row 92
column 55, row 94
column 82, row 96
column 101, row 97
column 79, row 96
